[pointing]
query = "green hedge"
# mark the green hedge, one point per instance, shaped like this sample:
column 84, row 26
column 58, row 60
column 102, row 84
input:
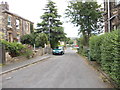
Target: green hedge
column 105, row 49
column 94, row 45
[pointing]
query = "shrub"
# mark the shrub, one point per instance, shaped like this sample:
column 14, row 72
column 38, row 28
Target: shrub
column 105, row 49
column 27, row 51
column 13, row 48
column 106, row 52
column 28, row 39
column 94, row 45
column 16, row 49
column 41, row 39
column 82, row 48
column 111, row 55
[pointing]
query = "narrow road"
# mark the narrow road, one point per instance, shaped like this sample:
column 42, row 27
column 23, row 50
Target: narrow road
column 60, row 71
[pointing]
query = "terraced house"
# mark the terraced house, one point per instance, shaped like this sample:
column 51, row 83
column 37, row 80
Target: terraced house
column 112, row 15
column 12, row 25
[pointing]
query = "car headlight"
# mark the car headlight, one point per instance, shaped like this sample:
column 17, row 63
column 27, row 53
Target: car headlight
column 61, row 51
column 53, row 50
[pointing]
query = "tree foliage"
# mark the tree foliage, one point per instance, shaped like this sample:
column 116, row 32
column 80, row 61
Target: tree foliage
column 41, row 39
column 51, row 24
column 28, row 39
column 85, row 15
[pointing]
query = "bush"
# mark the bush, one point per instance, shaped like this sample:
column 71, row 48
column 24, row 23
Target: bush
column 105, row 49
column 27, row 51
column 13, row 48
column 16, row 49
column 41, row 39
column 110, row 49
column 82, row 49
column 28, row 39
column 94, row 45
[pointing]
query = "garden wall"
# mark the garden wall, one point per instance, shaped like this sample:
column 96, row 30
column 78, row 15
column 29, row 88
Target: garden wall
column 37, row 52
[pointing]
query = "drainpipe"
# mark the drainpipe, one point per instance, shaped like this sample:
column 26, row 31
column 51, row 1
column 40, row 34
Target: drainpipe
column 108, row 15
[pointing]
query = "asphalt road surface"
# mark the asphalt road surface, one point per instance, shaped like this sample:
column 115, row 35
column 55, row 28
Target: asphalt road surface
column 60, row 71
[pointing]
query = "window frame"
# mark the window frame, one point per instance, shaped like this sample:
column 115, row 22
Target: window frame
column 17, row 24
column 9, row 21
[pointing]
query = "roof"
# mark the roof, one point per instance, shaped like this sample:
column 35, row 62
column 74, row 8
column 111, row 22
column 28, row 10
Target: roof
column 6, row 11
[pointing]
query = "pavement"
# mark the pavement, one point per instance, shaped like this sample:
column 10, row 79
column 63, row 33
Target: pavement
column 17, row 65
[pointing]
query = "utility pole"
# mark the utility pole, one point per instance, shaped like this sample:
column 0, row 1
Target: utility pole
column 108, row 15
column 50, row 29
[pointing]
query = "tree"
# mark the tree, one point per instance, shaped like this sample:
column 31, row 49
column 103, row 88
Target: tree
column 41, row 39
column 28, row 39
column 51, row 24
column 85, row 15
column 31, row 28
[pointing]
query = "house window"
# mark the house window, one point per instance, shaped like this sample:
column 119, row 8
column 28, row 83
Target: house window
column 9, row 21
column 17, row 24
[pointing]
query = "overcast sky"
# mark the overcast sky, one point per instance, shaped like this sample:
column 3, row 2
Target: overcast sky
column 33, row 9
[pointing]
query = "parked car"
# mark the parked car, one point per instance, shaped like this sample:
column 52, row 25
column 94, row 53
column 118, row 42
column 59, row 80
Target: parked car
column 58, row 50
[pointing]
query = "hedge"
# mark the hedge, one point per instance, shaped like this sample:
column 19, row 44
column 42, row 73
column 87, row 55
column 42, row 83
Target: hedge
column 94, row 45
column 105, row 49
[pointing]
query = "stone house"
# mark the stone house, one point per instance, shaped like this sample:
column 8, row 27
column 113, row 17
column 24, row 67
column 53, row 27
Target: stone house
column 12, row 25
column 112, row 15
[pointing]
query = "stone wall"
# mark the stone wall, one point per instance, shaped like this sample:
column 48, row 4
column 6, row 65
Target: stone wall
column 37, row 52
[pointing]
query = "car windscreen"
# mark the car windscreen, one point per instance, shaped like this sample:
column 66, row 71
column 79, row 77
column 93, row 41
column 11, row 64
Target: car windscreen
column 56, row 49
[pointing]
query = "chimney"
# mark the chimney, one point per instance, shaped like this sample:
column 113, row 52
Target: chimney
column 4, row 6
column 7, row 6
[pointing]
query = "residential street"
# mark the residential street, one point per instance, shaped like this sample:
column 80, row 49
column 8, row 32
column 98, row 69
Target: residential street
column 60, row 71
